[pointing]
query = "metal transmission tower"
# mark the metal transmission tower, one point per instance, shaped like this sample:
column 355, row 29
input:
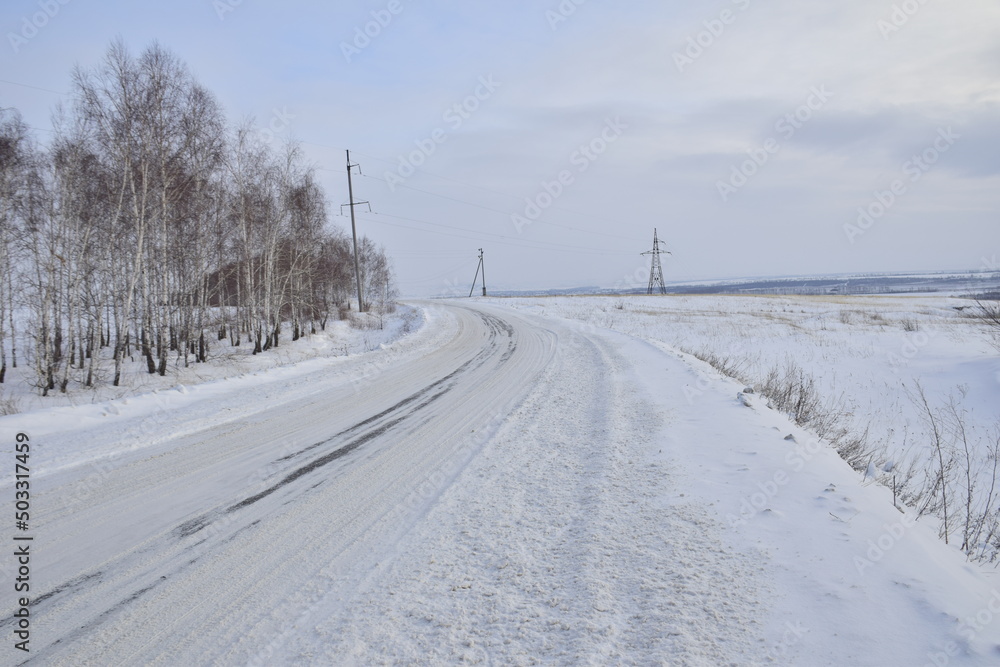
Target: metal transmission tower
column 474, row 280
column 655, row 270
column 354, row 228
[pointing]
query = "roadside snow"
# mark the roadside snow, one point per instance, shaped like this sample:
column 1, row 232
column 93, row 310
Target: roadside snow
column 869, row 357
column 89, row 425
column 339, row 339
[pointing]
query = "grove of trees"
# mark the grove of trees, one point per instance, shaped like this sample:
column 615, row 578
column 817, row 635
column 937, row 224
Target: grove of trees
column 147, row 229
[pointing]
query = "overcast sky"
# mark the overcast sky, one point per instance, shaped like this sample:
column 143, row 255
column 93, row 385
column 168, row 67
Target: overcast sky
column 753, row 134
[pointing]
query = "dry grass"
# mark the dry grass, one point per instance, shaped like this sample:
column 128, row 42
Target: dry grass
column 9, row 405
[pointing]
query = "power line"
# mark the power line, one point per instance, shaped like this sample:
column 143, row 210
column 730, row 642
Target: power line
column 410, row 187
column 434, row 194
column 523, row 243
column 451, row 271
column 485, row 189
column 24, row 85
column 507, row 213
column 452, row 254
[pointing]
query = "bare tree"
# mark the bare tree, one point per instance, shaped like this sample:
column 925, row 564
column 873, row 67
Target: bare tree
column 377, row 278
column 112, row 105
column 16, row 163
column 988, row 312
column 146, row 224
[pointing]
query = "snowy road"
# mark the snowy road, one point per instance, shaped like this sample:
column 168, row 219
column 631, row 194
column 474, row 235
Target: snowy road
column 499, row 487
column 206, row 547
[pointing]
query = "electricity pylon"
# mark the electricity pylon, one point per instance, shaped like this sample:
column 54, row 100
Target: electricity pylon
column 655, row 270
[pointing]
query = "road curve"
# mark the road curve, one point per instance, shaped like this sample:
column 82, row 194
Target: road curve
column 201, row 549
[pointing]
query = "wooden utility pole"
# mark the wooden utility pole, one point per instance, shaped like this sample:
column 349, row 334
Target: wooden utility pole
column 354, row 230
column 482, row 263
column 481, row 266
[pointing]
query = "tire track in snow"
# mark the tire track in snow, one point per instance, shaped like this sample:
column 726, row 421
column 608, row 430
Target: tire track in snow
column 191, row 527
column 145, row 575
column 555, row 546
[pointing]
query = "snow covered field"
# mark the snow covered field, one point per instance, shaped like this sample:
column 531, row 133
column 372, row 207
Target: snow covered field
column 518, row 481
column 868, row 356
column 863, row 350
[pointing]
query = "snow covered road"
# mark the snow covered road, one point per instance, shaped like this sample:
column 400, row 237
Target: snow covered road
column 557, row 545
column 205, row 547
column 497, row 488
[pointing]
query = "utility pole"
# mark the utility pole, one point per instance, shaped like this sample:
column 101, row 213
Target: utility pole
column 655, row 270
column 354, row 227
column 482, row 266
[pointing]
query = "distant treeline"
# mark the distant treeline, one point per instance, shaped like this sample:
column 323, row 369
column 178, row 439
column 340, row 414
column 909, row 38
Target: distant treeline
column 973, row 284
column 147, row 226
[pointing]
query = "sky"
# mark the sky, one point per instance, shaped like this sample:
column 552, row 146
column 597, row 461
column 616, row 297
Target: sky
column 759, row 138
